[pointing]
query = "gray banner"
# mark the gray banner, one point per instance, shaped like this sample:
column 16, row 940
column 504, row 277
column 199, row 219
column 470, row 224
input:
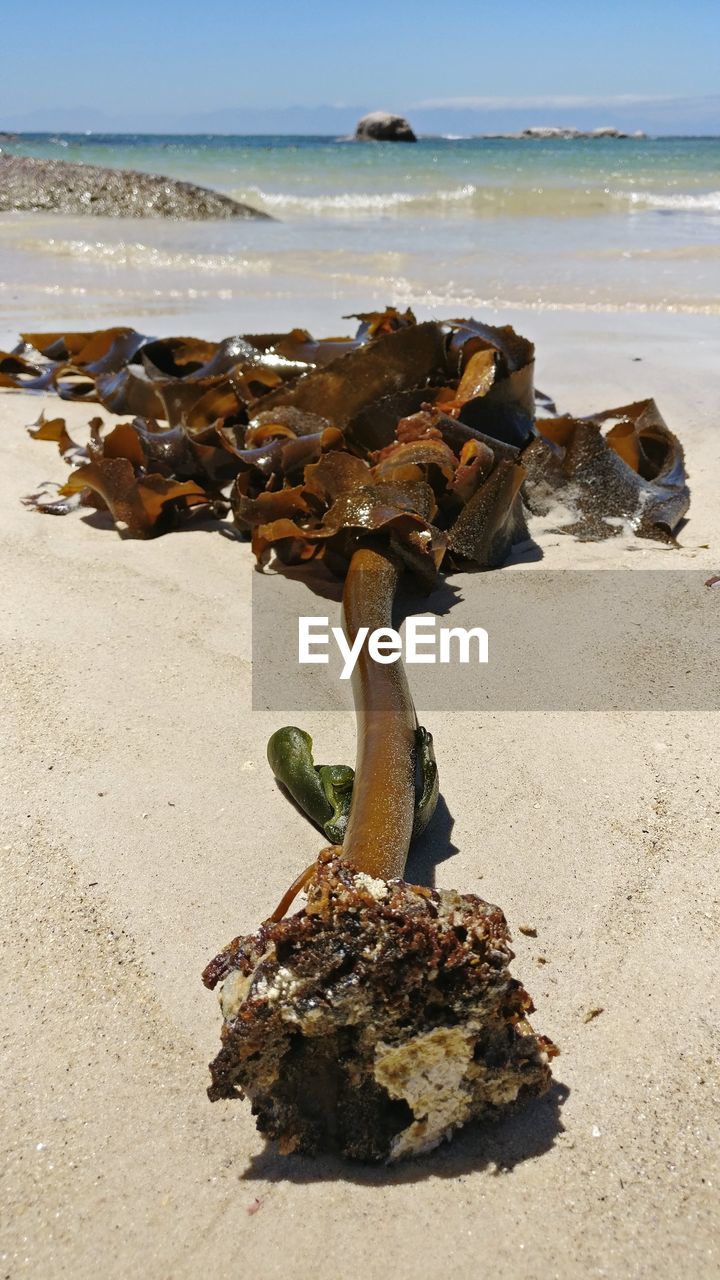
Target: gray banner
column 556, row 641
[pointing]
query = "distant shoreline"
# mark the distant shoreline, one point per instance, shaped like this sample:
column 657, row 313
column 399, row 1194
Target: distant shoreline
column 551, row 134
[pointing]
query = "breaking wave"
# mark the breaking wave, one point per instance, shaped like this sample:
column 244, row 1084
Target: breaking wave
column 707, row 202
column 359, row 202
column 476, row 201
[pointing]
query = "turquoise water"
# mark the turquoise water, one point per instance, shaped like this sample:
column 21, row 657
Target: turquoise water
column 296, row 176
column 447, row 224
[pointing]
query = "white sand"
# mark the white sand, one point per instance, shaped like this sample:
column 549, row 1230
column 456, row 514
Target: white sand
column 141, row 831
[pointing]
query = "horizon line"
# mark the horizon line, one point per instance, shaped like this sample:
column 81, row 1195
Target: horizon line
column 509, row 135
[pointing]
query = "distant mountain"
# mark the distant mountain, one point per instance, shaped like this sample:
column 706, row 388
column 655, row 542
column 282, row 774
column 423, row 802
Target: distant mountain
column 230, row 120
column 459, row 116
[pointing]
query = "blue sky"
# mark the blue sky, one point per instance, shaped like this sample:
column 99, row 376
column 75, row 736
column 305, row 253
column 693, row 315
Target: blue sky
column 452, row 61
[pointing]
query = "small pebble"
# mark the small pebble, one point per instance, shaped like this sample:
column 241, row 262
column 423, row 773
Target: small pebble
column 528, row 929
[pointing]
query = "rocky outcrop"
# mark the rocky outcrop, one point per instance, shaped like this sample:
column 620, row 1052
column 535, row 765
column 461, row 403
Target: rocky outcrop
column 29, row 185
column 554, row 131
column 380, row 126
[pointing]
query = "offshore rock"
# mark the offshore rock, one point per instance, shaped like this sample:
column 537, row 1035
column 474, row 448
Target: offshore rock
column 381, row 126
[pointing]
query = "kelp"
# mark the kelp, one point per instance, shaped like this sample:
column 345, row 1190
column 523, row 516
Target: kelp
column 406, row 446
column 148, row 480
column 495, row 391
column 632, row 477
column 401, row 358
column 324, row 791
column 493, row 520
column 425, row 435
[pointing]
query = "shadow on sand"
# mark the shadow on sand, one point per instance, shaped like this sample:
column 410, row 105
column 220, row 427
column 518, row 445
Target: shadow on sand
column 497, row 1146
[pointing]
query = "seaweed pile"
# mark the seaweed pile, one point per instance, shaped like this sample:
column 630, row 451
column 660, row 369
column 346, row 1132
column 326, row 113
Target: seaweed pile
column 381, row 1016
column 427, row 432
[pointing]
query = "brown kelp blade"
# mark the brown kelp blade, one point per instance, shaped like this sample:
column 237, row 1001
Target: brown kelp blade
column 139, row 507
column 403, row 358
column 55, row 429
column 399, row 513
column 99, row 351
column 493, row 520
column 304, row 436
column 495, row 393
column 147, row 478
column 632, row 478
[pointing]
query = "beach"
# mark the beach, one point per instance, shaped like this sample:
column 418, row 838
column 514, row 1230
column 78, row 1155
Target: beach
column 445, row 226
column 143, row 830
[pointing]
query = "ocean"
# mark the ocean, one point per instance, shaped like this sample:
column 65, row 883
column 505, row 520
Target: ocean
column 450, row 225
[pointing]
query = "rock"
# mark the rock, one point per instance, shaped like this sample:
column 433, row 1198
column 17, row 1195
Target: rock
column 554, row 131
column 543, row 132
column 376, row 1021
column 29, row 185
column 380, row 126
column 548, row 131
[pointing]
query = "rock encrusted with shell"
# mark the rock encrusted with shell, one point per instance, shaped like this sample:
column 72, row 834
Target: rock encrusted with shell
column 376, row 1021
